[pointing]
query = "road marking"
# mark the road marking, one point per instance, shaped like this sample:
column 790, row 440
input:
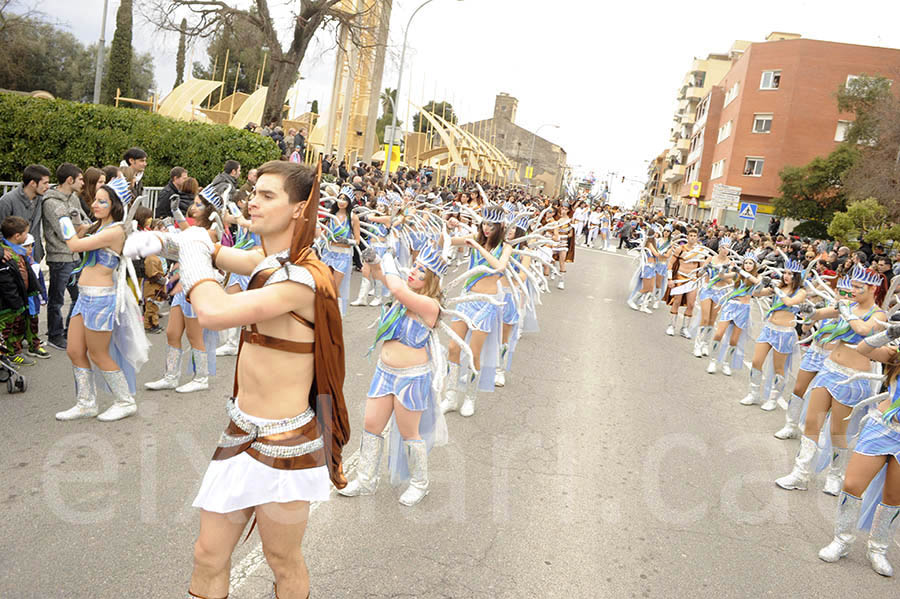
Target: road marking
column 253, row 560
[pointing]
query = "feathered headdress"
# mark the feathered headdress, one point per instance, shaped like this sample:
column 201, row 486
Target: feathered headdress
column 844, row 283
column 492, row 213
column 209, row 194
column 120, row 186
column 793, row 265
column 863, row 275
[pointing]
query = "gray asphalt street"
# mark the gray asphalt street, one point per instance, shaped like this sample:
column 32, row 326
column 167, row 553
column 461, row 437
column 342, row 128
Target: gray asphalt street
column 611, row 465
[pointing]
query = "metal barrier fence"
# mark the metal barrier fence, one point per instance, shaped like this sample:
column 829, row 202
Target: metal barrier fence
column 150, row 193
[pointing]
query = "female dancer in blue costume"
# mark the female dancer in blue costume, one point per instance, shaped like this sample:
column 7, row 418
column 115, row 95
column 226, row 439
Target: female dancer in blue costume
column 407, row 379
column 490, row 255
column 378, row 228
column 664, row 248
column 830, row 391
column 245, row 240
column 341, row 234
column 872, row 483
column 735, row 314
column 810, row 365
column 778, row 335
column 102, row 330
column 649, row 258
column 183, row 319
column 714, row 288
column 514, row 307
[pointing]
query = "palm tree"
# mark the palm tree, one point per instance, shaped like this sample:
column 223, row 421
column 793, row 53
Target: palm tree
column 388, row 99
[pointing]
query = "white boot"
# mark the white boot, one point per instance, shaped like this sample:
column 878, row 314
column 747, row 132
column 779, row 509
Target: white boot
column 726, row 363
column 500, row 378
column 798, row 479
column 417, row 459
column 656, row 297
column 884, row 525
column 124, row 404
column 468, row 405
column 698, row 345
column 632, row 304
column 704, row 346
column 364, row 287
column 200, row 382
column 366, row 481
column 834, row 481
column 777, row 387
column 85, row 396
column 844, row 528
column 752, row 397
column 791, row 430
column 645, row 303
column 450, row 402
column 376, row 301
column 562, row 281
column 230, row 347
column 173, row 370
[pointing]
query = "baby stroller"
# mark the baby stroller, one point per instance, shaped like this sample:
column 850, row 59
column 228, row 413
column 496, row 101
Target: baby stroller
column 15, row 382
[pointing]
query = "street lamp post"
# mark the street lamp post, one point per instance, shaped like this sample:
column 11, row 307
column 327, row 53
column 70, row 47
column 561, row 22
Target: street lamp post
column 533, row 138
column 387, row 159
column 99, row 72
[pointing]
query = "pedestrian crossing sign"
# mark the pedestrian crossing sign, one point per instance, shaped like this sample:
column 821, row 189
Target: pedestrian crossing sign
column 747, row 211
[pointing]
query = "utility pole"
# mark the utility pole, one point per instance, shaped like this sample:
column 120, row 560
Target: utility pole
column 99, row 74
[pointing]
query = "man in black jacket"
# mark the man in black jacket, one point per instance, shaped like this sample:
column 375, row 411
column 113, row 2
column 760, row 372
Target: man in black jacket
column 177, row 176
column 229, row 176
column 136, row 158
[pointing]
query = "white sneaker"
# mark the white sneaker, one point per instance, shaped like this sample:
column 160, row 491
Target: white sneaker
column 376, row 301
column 749, row 400
column 632, row 305
column 698, row 353
column 450, row 402
column 670, row 330
column 194, row 385
column 228, row 349
column 500, row 379
column 726, row 369
column 655, row 304
column 468, row 406
column 705, row 349
column 789, row 431
column 685, row 333
column 769, row 405
column 117, row 412
column 711, row 369
column 163, row 383
column 78, row 411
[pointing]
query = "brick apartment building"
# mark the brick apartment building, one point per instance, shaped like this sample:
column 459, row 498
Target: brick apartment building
column 775, row 107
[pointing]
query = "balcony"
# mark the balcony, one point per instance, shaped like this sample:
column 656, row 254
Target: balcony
column 688, row 118
column 683, row 144
column 673, row 174
column 695, row 93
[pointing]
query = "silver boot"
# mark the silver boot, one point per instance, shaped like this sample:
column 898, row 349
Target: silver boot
column 173, row 370
column 798, row 479
column 884, row 525
column 791, row 430
column 844, row 528
column 450, row 402
column 755, row 384
column 713, row 355
column 124, row 404
column 417, row 458
column 777, row 389
column 200, row 382
column 834, row 481
column 366, row 481
column 232, row 340
column 705, row 345
column 698, row 343
column 726, row 363
column 468, row 405
column 85, row 396
column 362, row 297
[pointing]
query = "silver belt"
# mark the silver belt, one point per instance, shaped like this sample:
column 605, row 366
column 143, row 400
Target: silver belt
column 254, row 431
column 337, row 249
column 845, row 370
column 780, row 328
column 92, row 291
column 406, row 371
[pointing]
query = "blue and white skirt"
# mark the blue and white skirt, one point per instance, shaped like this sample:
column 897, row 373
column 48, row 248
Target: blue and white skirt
column 97, row 307
column 782, row 339
column 878, row 439
column 180, row 301
column 813, row 359
column 412, row 385
column 661, row 268
column 241, row 280
column 715, row 294
column 737, row 313
column 338, row 258
column 510, row 309
column 832, row 377
column 649, row 271
column 482, row 314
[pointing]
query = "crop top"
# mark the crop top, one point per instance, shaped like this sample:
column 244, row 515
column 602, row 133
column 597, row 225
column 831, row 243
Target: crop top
column 477, row 259
column 779, row 305
column 102, row 256
column 338, row 232
column 839, row 329
column 396, row 324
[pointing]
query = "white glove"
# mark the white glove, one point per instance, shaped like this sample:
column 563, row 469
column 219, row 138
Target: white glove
column 389, row 265
column 845, row 311
column 67, row 228
column 195, row 250
column 142, row 244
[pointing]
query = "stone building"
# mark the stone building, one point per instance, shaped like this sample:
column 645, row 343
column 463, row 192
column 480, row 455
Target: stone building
column 515, row 142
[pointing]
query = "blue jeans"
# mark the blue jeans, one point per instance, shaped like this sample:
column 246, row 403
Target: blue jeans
column 60, row 273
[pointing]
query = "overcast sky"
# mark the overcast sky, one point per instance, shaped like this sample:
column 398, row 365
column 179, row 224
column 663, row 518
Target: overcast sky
column 606, row 75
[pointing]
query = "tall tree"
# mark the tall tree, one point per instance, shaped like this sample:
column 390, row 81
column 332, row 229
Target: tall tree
column 118, row 75
column 243, row 44
column 210, row 16
column 179, row 58
column 861, row 96
column 866, row 220
column 815, row 191
column 388, row 99
column 441, row 109
column 314, row 108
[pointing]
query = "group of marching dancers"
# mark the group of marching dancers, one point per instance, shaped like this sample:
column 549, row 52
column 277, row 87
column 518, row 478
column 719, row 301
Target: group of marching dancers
column 408, row 244
column 844, row 403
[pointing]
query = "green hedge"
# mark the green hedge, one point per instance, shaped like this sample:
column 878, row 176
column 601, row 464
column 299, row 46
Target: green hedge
column 50, row 132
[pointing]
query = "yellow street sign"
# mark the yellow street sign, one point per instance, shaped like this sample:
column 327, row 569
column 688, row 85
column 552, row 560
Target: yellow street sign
column 696, row 186
column 529, row 172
